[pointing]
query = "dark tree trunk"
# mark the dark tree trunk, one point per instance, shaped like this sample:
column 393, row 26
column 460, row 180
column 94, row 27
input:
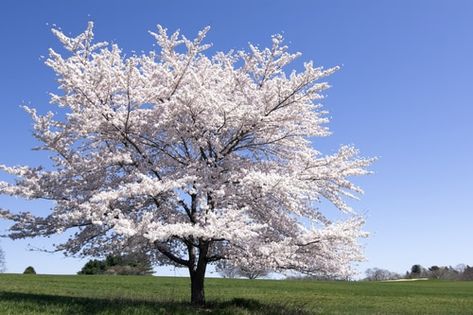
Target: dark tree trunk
column 197, row 273
column 197, row 288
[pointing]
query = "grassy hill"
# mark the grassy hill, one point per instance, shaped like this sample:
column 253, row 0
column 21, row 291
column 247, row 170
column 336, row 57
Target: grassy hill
column 38, row 294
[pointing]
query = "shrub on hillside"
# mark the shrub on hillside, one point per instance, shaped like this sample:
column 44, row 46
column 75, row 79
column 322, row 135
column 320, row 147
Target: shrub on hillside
column 93, row 267
column 132, row 264
column 29, row 271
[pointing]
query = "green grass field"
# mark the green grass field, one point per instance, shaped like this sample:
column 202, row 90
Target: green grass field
column 30, row 294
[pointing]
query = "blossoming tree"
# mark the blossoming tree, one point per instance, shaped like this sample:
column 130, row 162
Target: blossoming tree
column 192, row 158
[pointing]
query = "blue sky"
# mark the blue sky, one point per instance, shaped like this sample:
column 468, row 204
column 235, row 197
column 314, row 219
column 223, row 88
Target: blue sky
column 403, row 94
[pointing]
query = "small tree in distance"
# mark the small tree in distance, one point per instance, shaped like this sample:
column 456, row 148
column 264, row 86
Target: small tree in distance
column 29, row 271
column 195, row 158
column 252, row 273
column 467, row 273
column 416, row 271
column 228, row 270
column 2, row 260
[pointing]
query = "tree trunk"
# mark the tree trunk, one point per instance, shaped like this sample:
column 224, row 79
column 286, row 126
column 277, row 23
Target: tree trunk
column 197, row 274
column 197, row 287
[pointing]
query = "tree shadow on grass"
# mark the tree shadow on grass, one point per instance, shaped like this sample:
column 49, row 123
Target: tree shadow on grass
column 28, row 303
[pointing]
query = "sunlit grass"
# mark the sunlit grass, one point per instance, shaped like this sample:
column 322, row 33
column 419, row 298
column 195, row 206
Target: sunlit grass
column 30, row 294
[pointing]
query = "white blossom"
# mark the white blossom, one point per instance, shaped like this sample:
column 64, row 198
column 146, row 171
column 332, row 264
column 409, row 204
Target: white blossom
column 186, row 155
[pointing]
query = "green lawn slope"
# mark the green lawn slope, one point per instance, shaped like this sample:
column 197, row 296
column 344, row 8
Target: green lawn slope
column 45, row 294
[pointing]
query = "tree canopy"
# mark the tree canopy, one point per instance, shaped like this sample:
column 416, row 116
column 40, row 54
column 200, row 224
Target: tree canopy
column 193, row 158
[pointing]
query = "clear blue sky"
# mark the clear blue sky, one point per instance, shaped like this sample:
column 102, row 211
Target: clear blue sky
column 404, row 94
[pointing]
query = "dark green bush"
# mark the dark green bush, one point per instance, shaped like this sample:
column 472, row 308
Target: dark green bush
column 119, row 265
column 29, row 271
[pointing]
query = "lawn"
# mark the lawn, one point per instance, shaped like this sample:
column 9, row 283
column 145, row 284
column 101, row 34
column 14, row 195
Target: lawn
column 46, row 294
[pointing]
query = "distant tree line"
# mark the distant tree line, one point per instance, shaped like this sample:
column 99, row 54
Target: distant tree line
column 131, row 264
column 378, row 274
column 460, row 272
